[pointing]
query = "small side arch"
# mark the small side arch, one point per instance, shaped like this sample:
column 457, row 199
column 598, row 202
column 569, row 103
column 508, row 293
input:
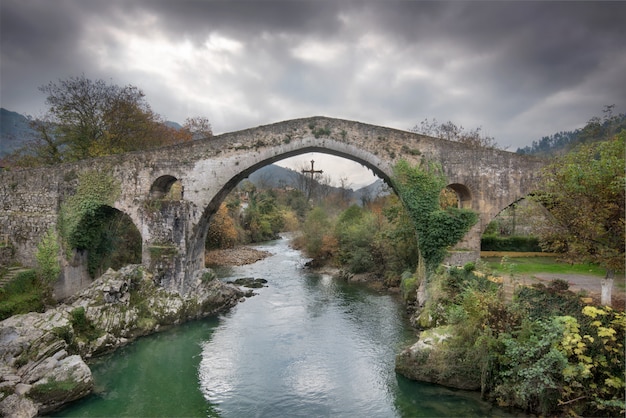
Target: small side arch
column 166, row 187
column 463, row 194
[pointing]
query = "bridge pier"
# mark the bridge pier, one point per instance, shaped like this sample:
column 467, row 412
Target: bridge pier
column 166, row 232
column 467, row 250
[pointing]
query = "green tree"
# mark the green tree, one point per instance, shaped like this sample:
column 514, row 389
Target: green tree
column 47, row 256
column 355, row 233
column 263, row 218
column 317, row 229
column 419, row 189
column 584, row 192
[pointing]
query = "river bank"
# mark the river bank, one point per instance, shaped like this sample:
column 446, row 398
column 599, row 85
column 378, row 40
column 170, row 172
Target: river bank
column 43, row 355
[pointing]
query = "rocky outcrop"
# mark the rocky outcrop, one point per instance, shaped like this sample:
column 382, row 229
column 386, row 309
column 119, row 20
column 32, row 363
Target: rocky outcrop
column 38, row 373
column 426, row 361
column 42, row 355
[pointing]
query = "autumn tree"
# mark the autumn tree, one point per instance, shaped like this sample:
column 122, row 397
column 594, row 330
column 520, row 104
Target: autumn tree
column 222, row 230
column 91, row 118
column 453, row 132
column 584, row 192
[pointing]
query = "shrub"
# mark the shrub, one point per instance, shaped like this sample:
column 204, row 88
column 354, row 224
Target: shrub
column 512, row 243
column 48, row 257
column 20, row 304
column 530, row 365
column 22, row 295
column 540, row 302
column 82, row 325
column 317, row 227
column 54, row 389
column 469, row 266
column 408, row 287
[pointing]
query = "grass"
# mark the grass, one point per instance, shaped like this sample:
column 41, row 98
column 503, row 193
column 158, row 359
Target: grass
column 21, row 294
column 533, row 265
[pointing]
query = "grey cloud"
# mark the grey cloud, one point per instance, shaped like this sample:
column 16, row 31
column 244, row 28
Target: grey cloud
column 502, row 65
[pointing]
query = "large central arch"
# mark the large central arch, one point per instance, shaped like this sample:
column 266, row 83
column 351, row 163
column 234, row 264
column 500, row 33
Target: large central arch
column 198, row 238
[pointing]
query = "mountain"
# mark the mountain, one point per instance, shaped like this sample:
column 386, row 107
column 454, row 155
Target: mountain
column 15, row 131
column 367, row 193
column 174, row 125
column 274, row 176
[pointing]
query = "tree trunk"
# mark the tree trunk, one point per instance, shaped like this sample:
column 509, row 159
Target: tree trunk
column 607, row 287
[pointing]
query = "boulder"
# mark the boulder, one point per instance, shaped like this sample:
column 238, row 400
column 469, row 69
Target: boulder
column 68, row 380
column 423, row 362
column 250, row 282
column 16, row 406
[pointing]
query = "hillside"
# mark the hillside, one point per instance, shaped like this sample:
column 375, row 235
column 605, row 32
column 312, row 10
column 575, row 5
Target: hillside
column 561, row 142
column 15, row 131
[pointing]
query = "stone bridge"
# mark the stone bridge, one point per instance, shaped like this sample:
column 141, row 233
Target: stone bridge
column 173, row 231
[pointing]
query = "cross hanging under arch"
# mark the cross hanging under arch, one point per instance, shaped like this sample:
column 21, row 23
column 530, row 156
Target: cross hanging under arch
column 309, row 186
column 312, row 171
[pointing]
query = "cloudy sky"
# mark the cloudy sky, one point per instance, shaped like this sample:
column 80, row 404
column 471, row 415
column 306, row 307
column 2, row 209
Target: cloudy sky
column 519, row 70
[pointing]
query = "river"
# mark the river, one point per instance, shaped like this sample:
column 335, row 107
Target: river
column 304, row 346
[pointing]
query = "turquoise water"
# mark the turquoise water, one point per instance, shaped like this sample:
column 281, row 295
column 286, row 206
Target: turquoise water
column 305, row 346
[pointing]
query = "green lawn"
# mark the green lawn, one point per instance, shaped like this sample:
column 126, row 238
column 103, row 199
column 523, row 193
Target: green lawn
column 532, row 265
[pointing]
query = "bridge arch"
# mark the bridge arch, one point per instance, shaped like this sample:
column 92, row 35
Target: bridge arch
column 366, row 159
column 162, row 185
column 463, row 193
column 166, row 186
column 103, row 238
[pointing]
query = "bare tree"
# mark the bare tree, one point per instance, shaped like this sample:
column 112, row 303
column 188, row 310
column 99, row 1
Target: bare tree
column 198, row 127
column 345, row 190
column 453, row 132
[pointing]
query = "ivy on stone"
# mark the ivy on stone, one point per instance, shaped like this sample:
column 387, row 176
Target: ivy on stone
column 419, row 188
column 79, row 213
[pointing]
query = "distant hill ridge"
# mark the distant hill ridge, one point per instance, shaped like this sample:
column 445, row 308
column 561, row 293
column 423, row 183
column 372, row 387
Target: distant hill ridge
column 562, row 142
column 274, row 176
column 15, row 131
